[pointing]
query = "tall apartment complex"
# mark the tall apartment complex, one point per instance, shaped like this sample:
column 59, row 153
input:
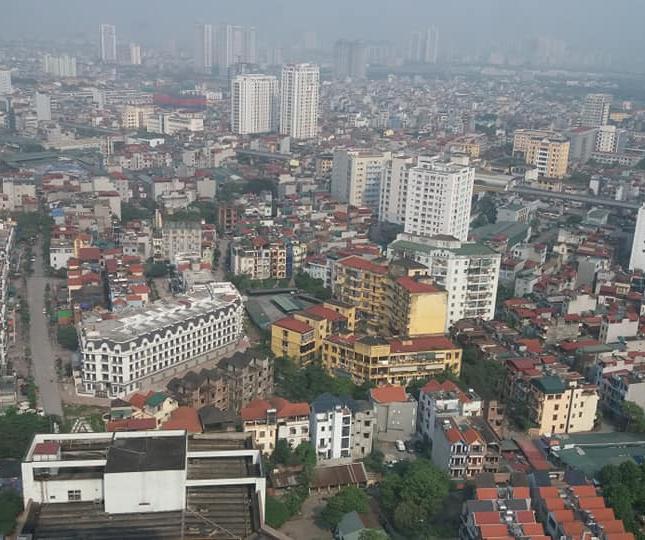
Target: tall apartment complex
column 595, row 110
column 394, row 189
column 424, row 46
column 255, row 102
column 59, row 66
column 547, row 151
column 234, row 45
column 204, row 47
column 299, row 101
column 135, row 54
column 350, row 60
column 637, row 258
column 438, row 198
column 107, row 43
column 356, row 177
column 469, row 272
column 120, row 355
column 5, row 82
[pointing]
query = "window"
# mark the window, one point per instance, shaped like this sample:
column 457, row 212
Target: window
column 74, row 495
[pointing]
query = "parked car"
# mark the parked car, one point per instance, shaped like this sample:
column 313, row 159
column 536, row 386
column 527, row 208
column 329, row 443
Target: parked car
column 400, row 446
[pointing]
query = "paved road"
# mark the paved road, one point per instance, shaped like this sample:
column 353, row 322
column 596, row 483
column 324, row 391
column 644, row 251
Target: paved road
column 43, row 357
column 596, row 201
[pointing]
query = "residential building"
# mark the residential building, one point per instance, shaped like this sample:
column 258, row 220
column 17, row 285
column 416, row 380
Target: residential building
column 97, row 484
column 276, row 419
column 107, row 43
column 135, row 54
column 299, row 101
column 547, row 151
column 439, row 198
column 180, row 237
column 133, row 117
column 610, row 139
column 204, row 47
column 424, row 46
column 43, row 105
column 171, row 123
column 59, row 66
column 617, row 387
column 255, row 103
column 362, row 283
column 582, row 144
column 595, row 110
column 414, row 307
column 438, row 401
column 396, row 413
column 637, row 257
column 341, row 428
column 614, row 328
column 121, row 354
column 468, row 271
column 325, row 320
column 356, row 177
column 350, row 60
column 389, row 361
column 394, row 189
column 234, row 45
column 294, row 339
column 5, row 82
column 562, row 404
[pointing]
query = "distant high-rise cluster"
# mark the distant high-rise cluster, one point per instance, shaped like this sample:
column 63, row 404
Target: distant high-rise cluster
column 595, row 110
column 135, row 54
column 255, row 102
column 59, row 66
column 350, row 60
column 299, row 100
column 107, row 43
column 204, row 47
column 223, row 46
column 5, row 82
column 424, row 46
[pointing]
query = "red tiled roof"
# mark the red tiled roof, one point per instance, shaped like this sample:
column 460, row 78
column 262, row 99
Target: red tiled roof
column 48, row 448
column 590, row 503
column 139, row 400
column 413, row 286
column 257, row 409
column 429, row 343
column 521, row 492
column 89, row 254
column 132, row 424
column 184, row 418
column 573, row 528
column 325, row 313
column 493, row 531
column 563, row 516
column 486, row 518
column 525, row 516
column 612, row 526
column 486, row 494
column 289, row 323
column 533, row 529
column 363, row 264
column 584, row 491
column 389, row 394
column 620, row 536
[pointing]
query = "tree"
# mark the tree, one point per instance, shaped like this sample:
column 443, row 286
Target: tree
column 282, row 452
column 304, row 454
column 17, row 430
column 67, row 337
column 10, row 507
column 313, row 286
column 277, row 512
column 634, row 417
column 373, row 534
column 374, row 462
column 346, row 500
column 155, row 270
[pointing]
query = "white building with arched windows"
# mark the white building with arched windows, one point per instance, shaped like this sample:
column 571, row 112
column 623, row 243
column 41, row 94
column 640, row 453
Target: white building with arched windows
column 138, row 348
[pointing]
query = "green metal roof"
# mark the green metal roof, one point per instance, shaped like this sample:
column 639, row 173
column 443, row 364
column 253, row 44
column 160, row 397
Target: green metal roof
column 549, row 385
column 286, row 304
column 469, row 249
column 156, row 399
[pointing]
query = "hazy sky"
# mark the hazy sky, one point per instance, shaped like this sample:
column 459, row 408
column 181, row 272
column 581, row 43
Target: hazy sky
column 612, row 25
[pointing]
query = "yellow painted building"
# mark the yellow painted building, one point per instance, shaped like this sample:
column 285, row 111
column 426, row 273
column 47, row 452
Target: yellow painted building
column 346, row 310
column 294, row 339
column 361, row 283
column 414, row 308
column 390, row 361
column 546, row 150
column 562, row 405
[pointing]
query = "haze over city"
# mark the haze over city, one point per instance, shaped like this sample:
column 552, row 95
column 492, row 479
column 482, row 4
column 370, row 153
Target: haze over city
column 359, row 270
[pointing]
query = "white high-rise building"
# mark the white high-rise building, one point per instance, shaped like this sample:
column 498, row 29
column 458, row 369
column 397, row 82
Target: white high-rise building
column 438, row 198
column 609, row 139
column 468, row 271
column 356, row 177
column 204, row 47
column 255, row 101
column 59, row 66
column 299, row 100
column 107, row 43
column 5, row 82
column 637, row 258
column 595, row 110
column 43, row 107
column 235, row 45
column 424, row 46
column 135, row 54
column 394, row 189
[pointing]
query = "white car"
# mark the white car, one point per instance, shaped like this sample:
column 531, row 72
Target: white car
column 44, row 311
column 400, row 446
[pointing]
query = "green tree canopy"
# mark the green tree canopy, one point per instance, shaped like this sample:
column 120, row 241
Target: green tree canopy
column 346, row 500
column 17, row 430
column 277, row 512
column 10, row 507
column 67, row 337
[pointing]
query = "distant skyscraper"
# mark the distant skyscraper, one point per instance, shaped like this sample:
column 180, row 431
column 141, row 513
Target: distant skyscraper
column 43, row 107
column 107, row 43
column 235, row 45
column 595, row 110
column 637, row 258
column 204, row 50
column 135, row 54
column 59, row 66
column 356, row 177
column 424, row 46
column 350, row 60
column 255, row 101
column 5, row 82
column 299, row 100
column 310, row 40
